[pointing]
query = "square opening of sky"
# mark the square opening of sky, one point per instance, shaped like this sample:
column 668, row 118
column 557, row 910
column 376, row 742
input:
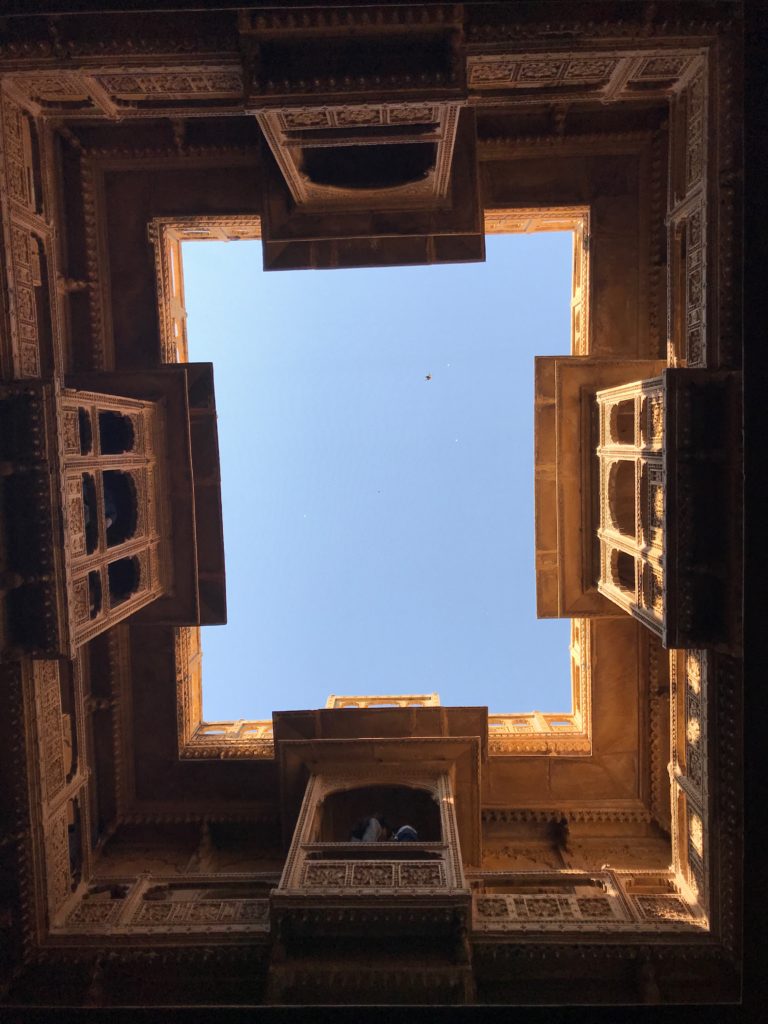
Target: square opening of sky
column 376, row 439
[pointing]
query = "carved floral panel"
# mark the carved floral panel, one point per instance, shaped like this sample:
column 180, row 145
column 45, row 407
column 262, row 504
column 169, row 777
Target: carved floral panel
column 57, row 860
column 374, row 874
column 204, row 912
column 50, row 731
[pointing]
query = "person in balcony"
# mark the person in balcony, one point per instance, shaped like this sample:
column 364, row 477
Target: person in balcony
column 370, row 830
column 406, row 834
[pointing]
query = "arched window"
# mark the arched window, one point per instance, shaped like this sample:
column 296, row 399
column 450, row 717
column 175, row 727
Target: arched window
column 75, row 840
column 116, row 433
column 397, row 806
column 623, row 422
column 94, row 593
column 623, row 571
column 90, row 513
column 621, row 497
column 124, row 578
column 86, row 430
column 369, row 167
column 120, row 506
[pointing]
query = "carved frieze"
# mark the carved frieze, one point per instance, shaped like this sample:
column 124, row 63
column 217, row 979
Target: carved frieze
column 694, row 704
column 57, row 859
column 695, row 135
column 24, row 274
column 608, row 77
column 548, row 909
column 662, row 908
column 74, row 510
column 563, row 902
column 175, row 85
column 121, row 909
column 365, row 874
column 695, row 285
column 17, row 155
column 125, row 93
column 49, row 728
column 545, row 70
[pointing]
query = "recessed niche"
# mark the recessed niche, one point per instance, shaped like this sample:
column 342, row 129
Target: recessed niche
column 623, row 571
column 116, row 433
column 120, row 506
column 621, row 497
column 622, row 422
column 369, row 167
column 124, row 578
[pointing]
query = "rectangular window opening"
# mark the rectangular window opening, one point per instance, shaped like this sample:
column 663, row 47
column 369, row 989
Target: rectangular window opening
column 376, row 441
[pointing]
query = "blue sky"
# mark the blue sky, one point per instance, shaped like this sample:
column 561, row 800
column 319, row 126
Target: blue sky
column 378, row 526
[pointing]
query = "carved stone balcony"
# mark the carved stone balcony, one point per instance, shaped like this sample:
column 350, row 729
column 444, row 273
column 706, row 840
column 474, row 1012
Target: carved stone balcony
column 631, row 529
column 89, row 473
column 663, row 450
column 421, row 767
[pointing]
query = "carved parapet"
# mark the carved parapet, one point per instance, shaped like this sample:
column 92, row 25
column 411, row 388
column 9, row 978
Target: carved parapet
column 410, row 700
column 50, row 729
column 572, row 901
column 538, row 733
column 233, row 908
column 380, row 876
column 218, row 740
column 125, row 93
column 578, row 76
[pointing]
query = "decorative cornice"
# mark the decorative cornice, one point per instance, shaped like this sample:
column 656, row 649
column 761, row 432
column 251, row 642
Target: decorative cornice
column 209, row 815
column 493, row 146
column 28, row 855
column 93, row 262
column 657, row 247
column 728, row 805
column 601, row 813
column 671, row 25
column 658, row 715
column 499, row 948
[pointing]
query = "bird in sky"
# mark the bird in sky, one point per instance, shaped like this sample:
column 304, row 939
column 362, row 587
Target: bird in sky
column 428, row 377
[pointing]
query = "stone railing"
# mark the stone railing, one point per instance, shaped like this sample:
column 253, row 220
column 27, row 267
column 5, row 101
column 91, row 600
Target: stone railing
column 411, row 700
column 565, row 901
column 365, row 875
column 231, row 906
